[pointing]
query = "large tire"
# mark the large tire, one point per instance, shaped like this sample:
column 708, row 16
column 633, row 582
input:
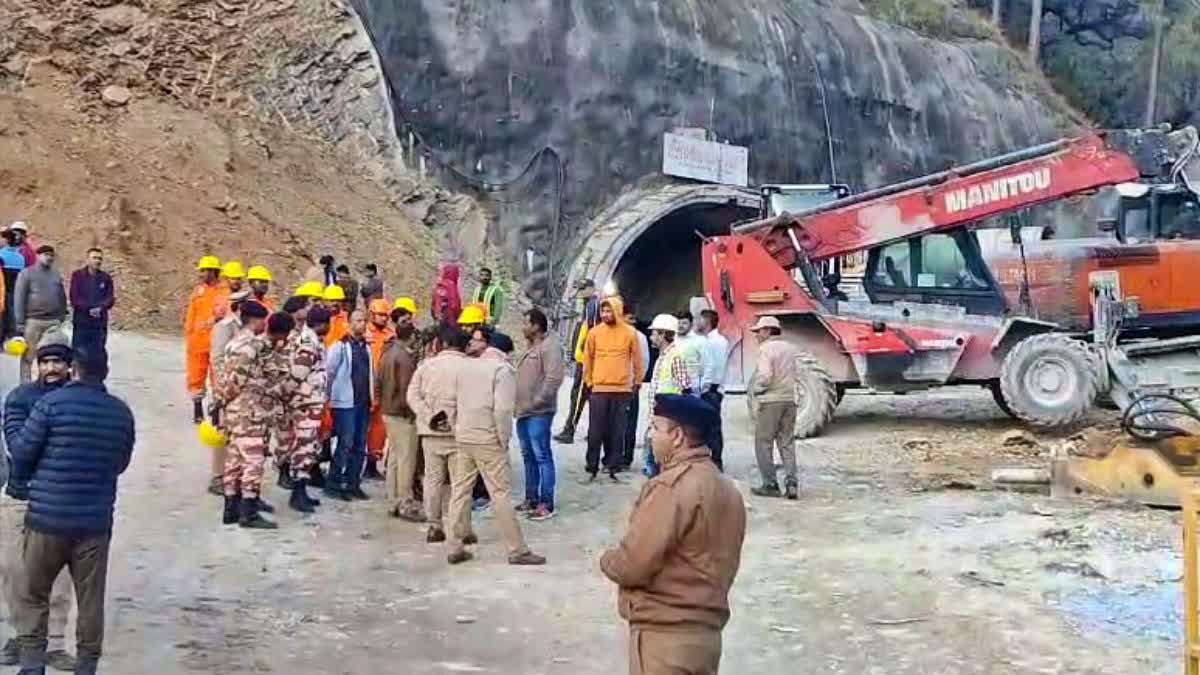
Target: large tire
column 816, row 396
column 1050, row 380
column 998, row 397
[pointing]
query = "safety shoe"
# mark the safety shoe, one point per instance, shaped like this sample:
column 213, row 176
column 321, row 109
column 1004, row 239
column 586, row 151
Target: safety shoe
column 285, row 477
column 299, row 500
column 527, row 506
column 216, row 486
column 60, row 659
column 767, row 490
column 10, row 655
column 613, row 477
column 471, row 539
column 526, row 558
column 263, row 506
column 372, row 471
column 435, row 535
column 250, row 518
column 543, row 512
column 792, row 490
column 337, row 493
column 357, row 493
column 459, row 557
column 197, row 410
column 565, row 436
column 232, row 509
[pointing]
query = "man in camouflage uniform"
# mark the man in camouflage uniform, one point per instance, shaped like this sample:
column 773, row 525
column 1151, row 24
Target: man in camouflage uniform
column 304, row 396
column 245, row 391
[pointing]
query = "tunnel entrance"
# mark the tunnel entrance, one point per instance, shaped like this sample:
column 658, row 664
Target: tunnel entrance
column 660, row 271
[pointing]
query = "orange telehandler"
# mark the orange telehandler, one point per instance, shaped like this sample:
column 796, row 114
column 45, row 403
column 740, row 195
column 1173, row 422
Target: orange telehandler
column 935, row 313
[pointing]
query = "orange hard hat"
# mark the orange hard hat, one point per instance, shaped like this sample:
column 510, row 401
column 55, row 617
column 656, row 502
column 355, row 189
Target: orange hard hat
column 379, row 306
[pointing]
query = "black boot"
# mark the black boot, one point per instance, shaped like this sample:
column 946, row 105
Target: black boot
column 372, row 471
column 232, row 506
column 249, row 516
column 299, row 500
column 285, row 477
column 264, row 507
column 567, row 435
column 197, row 410
column 317, row 478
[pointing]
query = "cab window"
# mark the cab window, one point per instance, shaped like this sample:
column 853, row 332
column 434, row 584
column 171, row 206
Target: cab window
column 1179, row 217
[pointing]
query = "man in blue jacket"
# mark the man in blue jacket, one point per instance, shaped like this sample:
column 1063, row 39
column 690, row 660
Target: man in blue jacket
column 350, row 374
column 75, row 443
column 54, row 370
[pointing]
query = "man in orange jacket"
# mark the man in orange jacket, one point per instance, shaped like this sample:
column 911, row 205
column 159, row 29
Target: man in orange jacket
column 379, row 331
column 201, row 316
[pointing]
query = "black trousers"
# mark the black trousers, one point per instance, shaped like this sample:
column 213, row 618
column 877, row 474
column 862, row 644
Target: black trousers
column 580, row 393
column 44, row 556
column 631, row 422
column 606, row 429
column 716, row 438
column 92, row 339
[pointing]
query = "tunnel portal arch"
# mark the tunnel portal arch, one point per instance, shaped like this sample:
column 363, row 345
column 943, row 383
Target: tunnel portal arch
column 615, row 233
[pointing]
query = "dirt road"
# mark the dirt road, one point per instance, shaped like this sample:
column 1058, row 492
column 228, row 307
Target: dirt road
column 879, row 569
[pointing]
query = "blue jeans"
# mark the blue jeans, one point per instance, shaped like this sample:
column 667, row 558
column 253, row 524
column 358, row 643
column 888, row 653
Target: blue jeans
column 350, row 455
column 534, row 435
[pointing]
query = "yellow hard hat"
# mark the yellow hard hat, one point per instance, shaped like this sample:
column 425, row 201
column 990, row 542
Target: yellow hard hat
column 210, row 435
column 16, row 347
column 472, row 314
column 233, row 270
column 258, row 273
column 334, row 292
column 310, row 289
column 208, row 262
column 406, row 303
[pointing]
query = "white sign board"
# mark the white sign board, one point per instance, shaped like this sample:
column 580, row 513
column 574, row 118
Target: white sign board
column 704, row 160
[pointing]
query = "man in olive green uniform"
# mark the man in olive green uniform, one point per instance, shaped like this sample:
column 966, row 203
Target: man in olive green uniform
column 682, row 550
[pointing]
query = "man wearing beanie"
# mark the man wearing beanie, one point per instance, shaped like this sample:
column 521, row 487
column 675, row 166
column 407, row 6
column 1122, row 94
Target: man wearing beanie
column 244, row 389
column 53, row 359
column 682, row 550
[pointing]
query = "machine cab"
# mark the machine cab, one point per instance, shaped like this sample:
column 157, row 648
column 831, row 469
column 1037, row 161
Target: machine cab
column 1147, row 213
column 943, row 268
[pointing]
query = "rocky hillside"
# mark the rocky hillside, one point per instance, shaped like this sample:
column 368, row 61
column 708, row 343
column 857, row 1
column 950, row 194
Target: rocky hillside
column 553, row 108
column 161, row 130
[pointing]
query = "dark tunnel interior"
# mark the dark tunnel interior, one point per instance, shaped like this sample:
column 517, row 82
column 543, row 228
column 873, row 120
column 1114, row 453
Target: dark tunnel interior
column 661, row 271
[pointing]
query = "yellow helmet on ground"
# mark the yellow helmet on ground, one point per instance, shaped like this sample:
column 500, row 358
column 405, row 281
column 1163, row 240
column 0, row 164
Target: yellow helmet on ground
column 471, row 315
column 233, row 270
column 208, row 262
column 406, row 304
column 334, row 293
column 258, row 273
column 210, row 435
column 16, row 347
column 310, row 289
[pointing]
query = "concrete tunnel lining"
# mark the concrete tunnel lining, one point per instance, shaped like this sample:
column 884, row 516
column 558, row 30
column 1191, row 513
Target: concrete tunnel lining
column 616, row 230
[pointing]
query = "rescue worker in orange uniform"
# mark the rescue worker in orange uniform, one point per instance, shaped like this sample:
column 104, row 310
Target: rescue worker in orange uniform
column 339, row 323
column 259, row 279
column 197, row 330
column 379, row 331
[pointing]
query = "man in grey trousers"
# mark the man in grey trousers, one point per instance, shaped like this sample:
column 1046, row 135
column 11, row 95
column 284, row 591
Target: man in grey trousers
column 40, row 304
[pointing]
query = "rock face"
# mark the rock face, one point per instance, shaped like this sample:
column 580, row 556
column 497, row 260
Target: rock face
column 486, row 86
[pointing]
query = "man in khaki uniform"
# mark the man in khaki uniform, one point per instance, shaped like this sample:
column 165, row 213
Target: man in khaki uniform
column 485, row 395
column 431, row 396
column 682, row 550
column 772, row 400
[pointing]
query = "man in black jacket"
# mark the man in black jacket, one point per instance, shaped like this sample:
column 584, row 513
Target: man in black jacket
column 75, row 443
column 54, row 370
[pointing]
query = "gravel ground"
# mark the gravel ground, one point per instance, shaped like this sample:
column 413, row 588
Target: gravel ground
column 887, row 565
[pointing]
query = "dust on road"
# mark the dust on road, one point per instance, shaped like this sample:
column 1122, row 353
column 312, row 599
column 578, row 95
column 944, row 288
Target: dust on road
column 879, row 569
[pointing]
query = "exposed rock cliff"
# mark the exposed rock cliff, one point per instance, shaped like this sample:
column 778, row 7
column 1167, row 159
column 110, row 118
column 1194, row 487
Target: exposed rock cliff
column 570, row 99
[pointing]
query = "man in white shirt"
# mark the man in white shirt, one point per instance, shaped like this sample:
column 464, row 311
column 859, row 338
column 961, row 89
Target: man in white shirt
column 712, row 380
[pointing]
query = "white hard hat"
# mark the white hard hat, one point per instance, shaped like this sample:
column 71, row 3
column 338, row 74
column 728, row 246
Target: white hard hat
column 665, row 322
column 19, row 225
column 766, row 322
